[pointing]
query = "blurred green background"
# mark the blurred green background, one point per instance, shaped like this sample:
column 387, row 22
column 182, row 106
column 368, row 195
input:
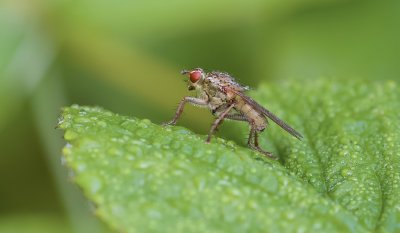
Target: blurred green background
column 126, row 56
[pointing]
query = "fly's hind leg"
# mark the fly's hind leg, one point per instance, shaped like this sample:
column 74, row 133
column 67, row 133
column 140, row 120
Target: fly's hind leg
column 236, row 117
column 253, row 143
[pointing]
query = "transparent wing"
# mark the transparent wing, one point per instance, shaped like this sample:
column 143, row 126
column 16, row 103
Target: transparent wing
column 269, row 114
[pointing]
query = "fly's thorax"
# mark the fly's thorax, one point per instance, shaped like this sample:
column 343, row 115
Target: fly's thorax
column 214, row 96
column 216, row 103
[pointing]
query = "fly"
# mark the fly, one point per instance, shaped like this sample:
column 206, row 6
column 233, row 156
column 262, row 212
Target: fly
column 219, row 92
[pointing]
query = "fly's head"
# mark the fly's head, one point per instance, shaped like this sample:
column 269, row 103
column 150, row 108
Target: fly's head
column 196, row 78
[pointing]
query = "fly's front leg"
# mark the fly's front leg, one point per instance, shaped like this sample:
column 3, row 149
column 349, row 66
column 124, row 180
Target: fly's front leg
column 179, row 110
column 218, row 121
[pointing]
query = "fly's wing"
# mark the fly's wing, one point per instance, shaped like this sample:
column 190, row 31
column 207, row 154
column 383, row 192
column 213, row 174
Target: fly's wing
column 269, row 114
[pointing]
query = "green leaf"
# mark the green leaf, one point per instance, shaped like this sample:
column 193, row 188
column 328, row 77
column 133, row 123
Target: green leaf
column 351, row 150
column 344, row 177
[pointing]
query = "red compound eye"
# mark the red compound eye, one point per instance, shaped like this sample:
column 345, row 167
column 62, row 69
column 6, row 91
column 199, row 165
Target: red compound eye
column 195, row 76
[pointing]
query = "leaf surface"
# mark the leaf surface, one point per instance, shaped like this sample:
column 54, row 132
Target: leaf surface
column 344, row 177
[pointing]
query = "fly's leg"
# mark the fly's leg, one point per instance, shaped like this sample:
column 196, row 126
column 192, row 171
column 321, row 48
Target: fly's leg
column 253, row 143
column 179, row 110
column 251, row 136
column 218, row 121
column 236, row 117
column 256, row 139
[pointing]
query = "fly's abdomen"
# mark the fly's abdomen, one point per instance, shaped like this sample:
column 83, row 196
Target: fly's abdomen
column 255, row 118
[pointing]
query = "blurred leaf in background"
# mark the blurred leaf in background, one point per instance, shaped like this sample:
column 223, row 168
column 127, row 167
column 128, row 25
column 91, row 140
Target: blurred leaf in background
column 126, row 56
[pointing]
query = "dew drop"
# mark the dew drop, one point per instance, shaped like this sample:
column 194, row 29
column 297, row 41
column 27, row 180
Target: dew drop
column 108, row 114
column 101, row 123
column 141, row 133
column 70, row 135
column 117, row 210
column 346, row 172
column 144, row 165
column 82, row 112
column 63, row 161
column 67, row 150
column 81, row 167
column 115, row 151
column 81, row 120
column 154, row 214
column 144, row 123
